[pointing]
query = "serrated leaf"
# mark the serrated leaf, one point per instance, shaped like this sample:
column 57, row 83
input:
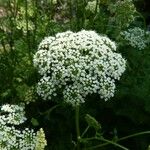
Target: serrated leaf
column 92, row 122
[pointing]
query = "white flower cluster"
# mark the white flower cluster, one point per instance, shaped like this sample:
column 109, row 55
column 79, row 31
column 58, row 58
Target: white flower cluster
column 78, row 64
column 92, row 6
column 12, row 138
column 40, row 142
column 123, row 13
column 136, row 37
column 21, row 18
column 13, row 114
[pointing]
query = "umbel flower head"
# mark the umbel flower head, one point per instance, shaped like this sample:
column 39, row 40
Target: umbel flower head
column 136, row 37
column 13, row 114
column 92, row 6
column 78, row 64
column 123, row 13
column 12, row 138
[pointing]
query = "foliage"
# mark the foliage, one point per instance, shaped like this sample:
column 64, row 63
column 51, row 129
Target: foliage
column 23, row 24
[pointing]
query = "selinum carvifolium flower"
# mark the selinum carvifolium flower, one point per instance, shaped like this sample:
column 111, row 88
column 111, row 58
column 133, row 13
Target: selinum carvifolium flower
column 76, row 65
column 12, row 137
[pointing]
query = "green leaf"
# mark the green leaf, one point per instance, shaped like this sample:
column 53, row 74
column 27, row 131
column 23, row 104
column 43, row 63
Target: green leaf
column 6, row 93
column 19, row 80
column 92, row 122
column 34, row 122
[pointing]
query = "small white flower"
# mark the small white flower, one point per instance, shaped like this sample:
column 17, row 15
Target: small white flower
column 92, row 6
column 7, row 108
column 78, row 64
column 12, row 138
column 136, row 37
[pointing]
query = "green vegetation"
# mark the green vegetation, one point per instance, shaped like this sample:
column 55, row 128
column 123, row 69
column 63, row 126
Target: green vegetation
column 70, row 117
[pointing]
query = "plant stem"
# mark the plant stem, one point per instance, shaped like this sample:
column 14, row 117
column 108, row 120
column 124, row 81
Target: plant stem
column 107, row 142
column 27, row 30
column 113, row 143
column 143, row 19
column 35, row 3
column 77, row 126
column 48, row 112
column 121, row 139
column 77, row 16
column 71, row 14
column 133, row 135
column 87, row 128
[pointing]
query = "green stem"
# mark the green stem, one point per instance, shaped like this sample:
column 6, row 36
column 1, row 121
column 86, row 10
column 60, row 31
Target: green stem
column 71, row 14
column 133, row 135
column 87, row 128
column 77, row 126
column 107, row 142
column 27, row 30
column 113, row 143
column 77, row 16
column 96, row 7
column 3, row 45
column 143, row 19
column 48, row 112
column 121, row 139
column 35, row 3
column 83, row 16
